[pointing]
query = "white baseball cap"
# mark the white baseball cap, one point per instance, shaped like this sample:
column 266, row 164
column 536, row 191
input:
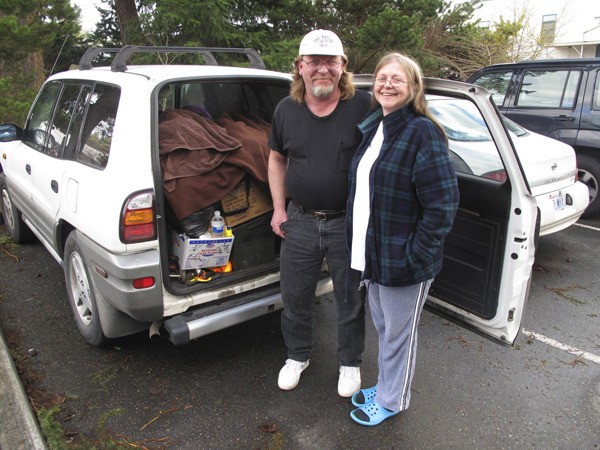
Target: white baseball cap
column 321, row 42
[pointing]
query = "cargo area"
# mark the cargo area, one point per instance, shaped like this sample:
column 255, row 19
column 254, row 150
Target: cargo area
column 213, row 155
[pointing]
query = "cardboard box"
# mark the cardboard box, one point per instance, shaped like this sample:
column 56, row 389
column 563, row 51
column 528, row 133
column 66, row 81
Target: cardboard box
column 257, row 202
column 204, row 251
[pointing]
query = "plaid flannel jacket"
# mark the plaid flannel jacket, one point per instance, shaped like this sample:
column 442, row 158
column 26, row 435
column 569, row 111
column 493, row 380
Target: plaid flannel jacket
column 413, row 198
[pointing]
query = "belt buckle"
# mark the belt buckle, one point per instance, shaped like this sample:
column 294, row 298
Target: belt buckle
column 320, row 215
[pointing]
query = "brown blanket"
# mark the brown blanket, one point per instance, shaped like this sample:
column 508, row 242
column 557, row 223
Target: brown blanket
column 199, row 164
column 190, row 145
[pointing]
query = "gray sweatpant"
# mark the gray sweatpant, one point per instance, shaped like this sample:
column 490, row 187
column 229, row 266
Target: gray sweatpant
column 396, row 312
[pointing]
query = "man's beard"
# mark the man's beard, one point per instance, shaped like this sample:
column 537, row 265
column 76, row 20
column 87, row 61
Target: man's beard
column 322, row 91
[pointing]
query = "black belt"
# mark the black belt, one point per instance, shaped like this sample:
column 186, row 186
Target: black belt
column 324, row 214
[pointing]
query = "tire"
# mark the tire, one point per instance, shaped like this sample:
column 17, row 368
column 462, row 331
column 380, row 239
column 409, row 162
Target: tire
column 11, row 216
column 589, row 174
column 81, row 293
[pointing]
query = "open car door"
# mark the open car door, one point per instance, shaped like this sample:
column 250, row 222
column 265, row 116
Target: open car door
column 489, row 253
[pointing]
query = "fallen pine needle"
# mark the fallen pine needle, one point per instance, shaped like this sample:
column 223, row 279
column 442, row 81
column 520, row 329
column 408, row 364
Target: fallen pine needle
column 161, row 414
column 16, row 258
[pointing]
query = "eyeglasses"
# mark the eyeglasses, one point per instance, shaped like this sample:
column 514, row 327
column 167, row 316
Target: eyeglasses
column 394, row 81
column 316, row 64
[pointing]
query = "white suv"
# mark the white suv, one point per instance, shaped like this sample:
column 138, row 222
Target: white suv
column 114, row 163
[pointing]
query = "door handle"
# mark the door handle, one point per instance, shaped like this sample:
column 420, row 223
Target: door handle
column 54, row 185
column 28, row 169
column 564, row 118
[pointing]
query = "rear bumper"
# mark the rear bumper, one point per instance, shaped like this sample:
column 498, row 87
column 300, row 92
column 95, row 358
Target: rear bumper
column 553, row 220
column 197, row 323
column 113, row 276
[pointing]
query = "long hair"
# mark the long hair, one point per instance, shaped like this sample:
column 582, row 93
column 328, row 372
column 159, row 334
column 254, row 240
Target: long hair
column 415, row 84
column 297, row 89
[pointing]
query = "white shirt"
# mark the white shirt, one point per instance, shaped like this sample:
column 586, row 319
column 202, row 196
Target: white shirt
column 362, row 205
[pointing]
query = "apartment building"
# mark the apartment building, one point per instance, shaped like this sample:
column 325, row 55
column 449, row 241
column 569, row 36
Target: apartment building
column 569, row 28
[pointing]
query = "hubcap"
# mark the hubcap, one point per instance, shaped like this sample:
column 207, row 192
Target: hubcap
column 80, row 288
column 8, row 211
column 590, row 181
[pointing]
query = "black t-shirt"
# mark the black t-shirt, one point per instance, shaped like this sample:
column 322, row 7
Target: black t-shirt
column 319, row 149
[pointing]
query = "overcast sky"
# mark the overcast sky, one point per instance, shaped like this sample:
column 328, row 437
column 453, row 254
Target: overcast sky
column 89, row 14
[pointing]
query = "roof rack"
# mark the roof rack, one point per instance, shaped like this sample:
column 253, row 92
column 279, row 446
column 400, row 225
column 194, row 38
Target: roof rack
column 85, row 63
column 119, row 63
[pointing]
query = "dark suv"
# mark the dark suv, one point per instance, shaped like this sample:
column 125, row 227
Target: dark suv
column 559, row 98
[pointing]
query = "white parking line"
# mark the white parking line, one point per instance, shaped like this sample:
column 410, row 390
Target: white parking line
column 546, row 340
column 586, row 226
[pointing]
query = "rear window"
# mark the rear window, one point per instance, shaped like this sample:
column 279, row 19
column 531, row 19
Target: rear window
column 97, row 129
column 213, row 99
column 549, row 88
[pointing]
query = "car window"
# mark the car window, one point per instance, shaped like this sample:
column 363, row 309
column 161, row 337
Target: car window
column 596, row 96
column 497, row 84
column 472, row 149
column 61, row 121
column 214, row 99
column 549, row 88
column 97, row 128
column 36, row 129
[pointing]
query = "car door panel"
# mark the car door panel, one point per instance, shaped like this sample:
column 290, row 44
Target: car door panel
column 472, row 263
column 17, row 162
column 46, row 194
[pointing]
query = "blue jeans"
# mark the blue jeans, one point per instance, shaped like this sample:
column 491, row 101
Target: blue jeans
column 307, row 242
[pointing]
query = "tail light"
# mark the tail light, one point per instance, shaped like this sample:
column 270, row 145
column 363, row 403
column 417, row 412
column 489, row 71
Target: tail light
column 498, row 175
column 137, row 218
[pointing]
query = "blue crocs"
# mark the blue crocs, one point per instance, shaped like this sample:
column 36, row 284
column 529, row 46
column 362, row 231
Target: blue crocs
column 371, row 414
column 364, row 396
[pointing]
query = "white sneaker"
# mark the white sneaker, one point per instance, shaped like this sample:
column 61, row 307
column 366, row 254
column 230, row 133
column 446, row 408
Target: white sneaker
column 349, row 381
column 289, row 375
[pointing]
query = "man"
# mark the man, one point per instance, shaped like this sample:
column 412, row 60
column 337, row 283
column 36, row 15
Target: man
column 313, row 138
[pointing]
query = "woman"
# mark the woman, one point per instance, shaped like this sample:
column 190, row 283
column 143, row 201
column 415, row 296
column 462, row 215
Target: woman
column 403, row 199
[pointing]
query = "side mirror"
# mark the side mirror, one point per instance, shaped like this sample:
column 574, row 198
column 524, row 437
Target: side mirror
column 43, row 140
column 10, row 132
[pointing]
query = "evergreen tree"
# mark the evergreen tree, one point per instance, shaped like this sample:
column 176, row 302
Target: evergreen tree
column 32, row 35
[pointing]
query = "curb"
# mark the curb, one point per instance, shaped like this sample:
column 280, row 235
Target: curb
column 19, row 428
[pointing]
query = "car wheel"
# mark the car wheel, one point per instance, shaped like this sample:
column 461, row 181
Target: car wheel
column 589, row 174
column 19, row 232
column 81, row 293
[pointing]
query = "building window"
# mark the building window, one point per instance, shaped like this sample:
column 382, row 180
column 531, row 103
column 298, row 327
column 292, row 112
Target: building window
column 548, row 28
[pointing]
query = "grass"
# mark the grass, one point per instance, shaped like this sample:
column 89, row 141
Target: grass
column 51, row 428
column 565, row 293
column 104, row 376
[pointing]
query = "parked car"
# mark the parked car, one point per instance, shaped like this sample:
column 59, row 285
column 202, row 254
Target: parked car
column 556, row 98
column 551, row 172
column 101, row 174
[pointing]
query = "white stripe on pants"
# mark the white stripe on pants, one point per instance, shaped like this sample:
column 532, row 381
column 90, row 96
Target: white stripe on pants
column 396, row 312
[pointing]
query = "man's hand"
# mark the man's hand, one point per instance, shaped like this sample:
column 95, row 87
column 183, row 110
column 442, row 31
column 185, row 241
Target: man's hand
column 278, row 218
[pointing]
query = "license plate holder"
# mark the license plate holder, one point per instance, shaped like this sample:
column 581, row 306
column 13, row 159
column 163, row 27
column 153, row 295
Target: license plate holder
column 558, row 200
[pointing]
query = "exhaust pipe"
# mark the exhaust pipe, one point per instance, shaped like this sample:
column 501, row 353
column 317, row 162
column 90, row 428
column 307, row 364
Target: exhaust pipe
column 154, row 331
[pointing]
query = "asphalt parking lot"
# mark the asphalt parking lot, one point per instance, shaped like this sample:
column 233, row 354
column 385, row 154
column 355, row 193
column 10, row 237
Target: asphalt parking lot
column 220, row 391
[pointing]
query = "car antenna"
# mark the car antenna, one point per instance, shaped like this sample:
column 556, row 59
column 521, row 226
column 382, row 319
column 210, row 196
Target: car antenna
column 59, row 53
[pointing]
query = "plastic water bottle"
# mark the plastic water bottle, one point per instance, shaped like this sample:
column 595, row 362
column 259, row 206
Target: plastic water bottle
column 217, row 225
